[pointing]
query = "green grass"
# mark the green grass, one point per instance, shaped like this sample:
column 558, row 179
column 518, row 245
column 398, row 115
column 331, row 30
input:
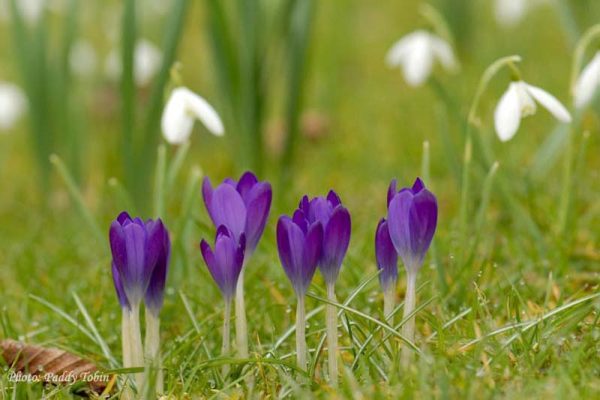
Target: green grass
column 505, row 314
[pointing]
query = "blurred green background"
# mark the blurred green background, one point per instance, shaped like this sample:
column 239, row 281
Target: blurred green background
column 359, row 125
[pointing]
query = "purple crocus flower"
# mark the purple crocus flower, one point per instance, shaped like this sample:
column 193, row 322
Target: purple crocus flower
column 412, row 219
column 386, row 256
column 140, row 258
column 336, row 222
column 243, row 206
column 299, row 244
column 225, row 262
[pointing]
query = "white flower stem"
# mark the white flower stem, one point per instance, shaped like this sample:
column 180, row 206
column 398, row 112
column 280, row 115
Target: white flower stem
column 389, row 302
column 332, row 336
column 225, row 349
column 301, row 333
column 408, row 329
column 126, row 393
column 152, row 348
column 137, row 352
column 241, row 326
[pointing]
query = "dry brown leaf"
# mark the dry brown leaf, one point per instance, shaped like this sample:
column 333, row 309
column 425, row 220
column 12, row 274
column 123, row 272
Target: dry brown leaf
column 51, row 365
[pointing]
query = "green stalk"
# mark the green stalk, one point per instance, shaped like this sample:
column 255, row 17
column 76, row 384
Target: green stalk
column 128, row 98
column 565, row 196
column 159, row 182
column 332, row 338
column 464, row 198
column 301, row 15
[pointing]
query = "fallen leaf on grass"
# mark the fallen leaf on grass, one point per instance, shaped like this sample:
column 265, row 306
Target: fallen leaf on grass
column 53, row 366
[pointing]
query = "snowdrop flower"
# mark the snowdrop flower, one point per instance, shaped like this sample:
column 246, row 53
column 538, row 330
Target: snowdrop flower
column 12, row 105
column 146, row 63
column 82, row 59
column 519, row 101
column 182, row 109
column 509, row 12
column 588, row 82
column 416, row 53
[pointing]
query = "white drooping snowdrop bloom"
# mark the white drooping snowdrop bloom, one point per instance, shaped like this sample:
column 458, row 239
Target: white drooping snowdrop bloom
column 519, row 101
column 146, row 62
column 588, row 83
column 416, row 53
column 182, row 109
column 13, row 104
column 82, row 59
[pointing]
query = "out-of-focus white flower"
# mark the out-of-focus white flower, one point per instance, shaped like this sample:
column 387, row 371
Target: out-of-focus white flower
column 147, row 60
column 182, row 109
column 510, row 12
column 30, row 10
column 13, row 104
column 83, row 59
column 416, row 53
column 519, row 101
column 588, row 83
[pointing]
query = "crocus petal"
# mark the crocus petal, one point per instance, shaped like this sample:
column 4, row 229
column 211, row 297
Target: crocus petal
column 423, row 222
column 227, row 208
column 155, row 292
column 418, row 64
column 313, row 249
column 290, row 246
column 385, row 255
column 399, row 225
column 245, row 184
column 336, row 239
column 205, row 113
column 507, row 116
column 300, row 219
column 226, row 258
column 119, row 287
column 417, row 186
column 257, row 207
column 391, row 191
column 137, row 274
column 588, row 83
column 117, row 245
column 550, row 103
column 333, row 199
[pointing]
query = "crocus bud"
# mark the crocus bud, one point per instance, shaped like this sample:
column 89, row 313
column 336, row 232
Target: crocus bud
column 299, row 244
column 386, row 256
column 225, row 263
column 412, row 219
column 241, row 206
column 336, row 222
column 181, row 110
column 137, row 247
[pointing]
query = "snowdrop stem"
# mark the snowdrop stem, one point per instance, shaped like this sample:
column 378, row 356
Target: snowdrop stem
column 565, row 197
column 586, row 40
column 241, row 325
column 332, row 336
column 159, row 181
column 485, row 80
column 437, row 21
column 301, row 333
column 464, row 195
column 226, row 334
column 137, row 352
column 408, row 329
column 152, row 349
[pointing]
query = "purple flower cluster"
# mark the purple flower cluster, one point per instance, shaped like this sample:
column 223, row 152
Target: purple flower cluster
column 141, row 252
column 407, row 232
